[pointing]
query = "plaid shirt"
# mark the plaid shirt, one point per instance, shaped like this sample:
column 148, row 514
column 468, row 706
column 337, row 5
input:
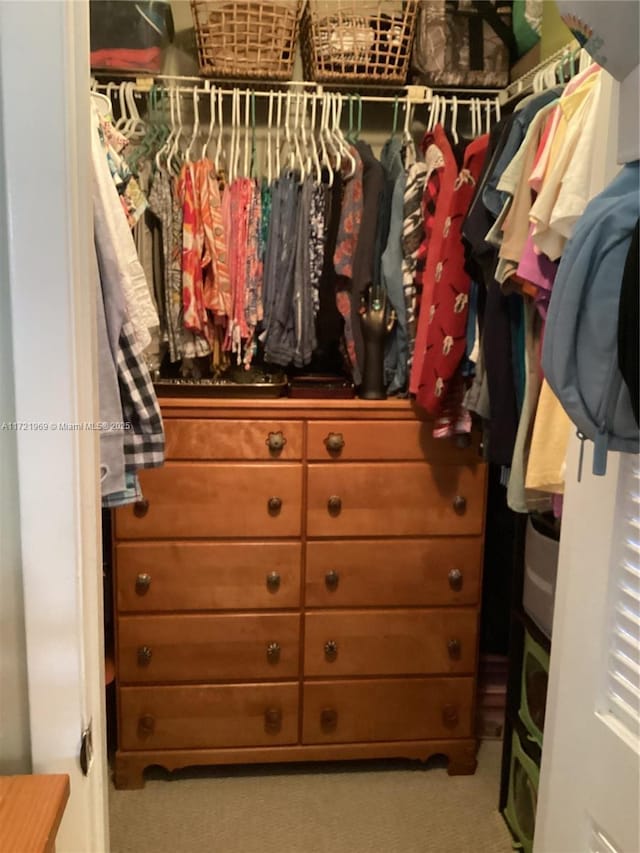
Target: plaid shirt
column 144, row 438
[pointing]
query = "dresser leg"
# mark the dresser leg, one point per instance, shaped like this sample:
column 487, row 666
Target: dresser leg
column 462, row 760
column 128, row 774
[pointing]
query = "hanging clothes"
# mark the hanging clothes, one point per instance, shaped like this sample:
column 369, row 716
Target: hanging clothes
column 446, row 309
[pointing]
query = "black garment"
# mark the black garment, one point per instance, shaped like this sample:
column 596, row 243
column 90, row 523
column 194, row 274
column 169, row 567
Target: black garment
column 373, row 181
column 327, row 357
column 629, row 321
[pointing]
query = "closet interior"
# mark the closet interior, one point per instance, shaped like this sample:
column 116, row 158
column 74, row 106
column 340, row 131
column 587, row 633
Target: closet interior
column 322, row 319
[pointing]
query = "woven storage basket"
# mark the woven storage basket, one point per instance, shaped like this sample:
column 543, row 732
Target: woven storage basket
column 366, row 41
column 255, row 40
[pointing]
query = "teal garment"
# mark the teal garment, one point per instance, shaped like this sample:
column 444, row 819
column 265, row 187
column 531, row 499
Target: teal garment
column 265, row 203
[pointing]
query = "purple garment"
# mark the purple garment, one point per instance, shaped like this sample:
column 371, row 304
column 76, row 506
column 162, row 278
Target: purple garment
column 539, row 270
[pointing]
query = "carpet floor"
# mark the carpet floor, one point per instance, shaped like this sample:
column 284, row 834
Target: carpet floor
column 361, row 807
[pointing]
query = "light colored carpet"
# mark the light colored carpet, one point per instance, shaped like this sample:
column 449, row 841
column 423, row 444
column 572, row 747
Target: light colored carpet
column 378, row 807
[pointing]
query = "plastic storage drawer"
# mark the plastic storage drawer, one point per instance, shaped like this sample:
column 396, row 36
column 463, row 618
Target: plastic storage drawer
column 540, row 569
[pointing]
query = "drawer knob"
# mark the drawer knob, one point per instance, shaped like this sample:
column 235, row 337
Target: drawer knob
column 275, row 505
column 460, row 504
column 272, row 720
column 146, row 725
column 332, row 579
column 276, row 442
column 455, row 579
column 450, row 716
column 329, row 719
column 273, row 581
column 273, row 652
column 143, row 582
column 331, row 650
column 453, row 647
column 334, row 505
column 141, row 508
column 144, row 656
column 334, row 442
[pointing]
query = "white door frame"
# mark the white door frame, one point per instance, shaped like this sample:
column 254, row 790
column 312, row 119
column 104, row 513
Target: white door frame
column 44, row 85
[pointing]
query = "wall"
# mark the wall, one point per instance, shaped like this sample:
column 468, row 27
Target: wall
column 555, row 33
column 14, row 710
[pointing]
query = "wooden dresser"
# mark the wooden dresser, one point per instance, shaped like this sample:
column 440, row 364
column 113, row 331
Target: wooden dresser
column 301, row 582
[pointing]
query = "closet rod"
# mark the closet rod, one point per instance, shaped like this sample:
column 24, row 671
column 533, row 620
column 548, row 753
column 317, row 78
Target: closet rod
column 416, row 94
column 524, row 84
column 413, row 94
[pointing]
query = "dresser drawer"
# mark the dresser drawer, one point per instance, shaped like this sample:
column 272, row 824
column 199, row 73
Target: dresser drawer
column 207, row 575
column 235, row 647
column 231, row 439
column 191, row 500
column 204, row 717
column 399, row 499
column 390, row 642
column 387, row 710
column 381, row 573
column 385, row 440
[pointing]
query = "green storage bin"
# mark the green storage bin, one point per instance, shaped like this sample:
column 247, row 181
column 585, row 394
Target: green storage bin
column 522, row 798
column 533, row 690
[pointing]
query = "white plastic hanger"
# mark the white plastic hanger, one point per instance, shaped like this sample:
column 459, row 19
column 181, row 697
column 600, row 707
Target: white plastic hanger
column 296, row 139
column 268, row 140
column 233, row 145
column 345, row 151
column 102, row 103
column 454, row 119
column 487, row 112
column 326, row 159
column 123, row 107
column 212, row 117
column 498, row 109
column 220, row 154
column 196, row 125
column 164, row 149
column 247, row 121
column 135, row 126
column 280, row 97
column 173, row 161
column 408, row 115
column 314, row 146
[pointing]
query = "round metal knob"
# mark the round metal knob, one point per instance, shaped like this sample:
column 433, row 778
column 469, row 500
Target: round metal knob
column 273, row 581
column 450, row 716
column 141, row 508
column 144, row 656
column 334, row 505
column 143, row 582
column 272, row 720
column 334, row 442
column 273, row 652
column 454, row 647
column 331, row 650
column 276, row 442
column 460, row 504
column 455, row 579
column 332, row 579
column 146, row 725
column 275, row 505
column 329, row 719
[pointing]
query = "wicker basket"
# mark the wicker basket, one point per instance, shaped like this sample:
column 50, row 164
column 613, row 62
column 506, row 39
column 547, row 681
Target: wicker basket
column 255, row 40
column 365, row 41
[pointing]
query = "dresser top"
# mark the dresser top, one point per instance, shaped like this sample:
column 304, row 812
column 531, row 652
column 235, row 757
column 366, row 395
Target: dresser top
column 285, row 407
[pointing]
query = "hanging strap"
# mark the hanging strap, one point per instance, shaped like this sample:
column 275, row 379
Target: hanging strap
column 479, row 12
